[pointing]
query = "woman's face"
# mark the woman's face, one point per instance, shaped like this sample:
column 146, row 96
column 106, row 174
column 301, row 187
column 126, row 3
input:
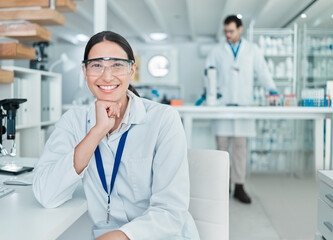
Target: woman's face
column 107, row 86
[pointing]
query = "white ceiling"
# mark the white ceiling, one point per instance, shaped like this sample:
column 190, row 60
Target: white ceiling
column 191, row 20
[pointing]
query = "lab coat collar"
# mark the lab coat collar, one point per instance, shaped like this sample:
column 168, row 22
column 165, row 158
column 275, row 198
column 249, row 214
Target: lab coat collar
column 226, row 45
column 137, row 112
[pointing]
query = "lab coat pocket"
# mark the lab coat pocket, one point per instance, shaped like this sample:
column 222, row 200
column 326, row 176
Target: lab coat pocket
column 140, row 170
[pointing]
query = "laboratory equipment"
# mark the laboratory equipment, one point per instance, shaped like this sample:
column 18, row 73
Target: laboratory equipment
column 210, row 82
column 289, row 100
column 41, row 56
column 21, row 181
column 5, row 191
column 273, row 100
column 10, row 106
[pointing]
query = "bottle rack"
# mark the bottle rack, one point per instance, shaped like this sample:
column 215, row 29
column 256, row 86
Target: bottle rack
column 316, row 57
column 279, row 46
column 274, row 147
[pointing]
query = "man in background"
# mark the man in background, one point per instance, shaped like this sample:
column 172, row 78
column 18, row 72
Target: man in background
column 236, row 60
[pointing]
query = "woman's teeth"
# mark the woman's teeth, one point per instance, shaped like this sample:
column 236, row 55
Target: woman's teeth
column 108, row 87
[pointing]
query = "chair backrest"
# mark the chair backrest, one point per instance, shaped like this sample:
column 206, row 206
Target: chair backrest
column 209, row 203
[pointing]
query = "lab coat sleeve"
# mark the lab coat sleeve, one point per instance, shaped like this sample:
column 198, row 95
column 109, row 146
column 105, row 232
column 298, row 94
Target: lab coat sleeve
column 55, row 178
column 262, row 71
column 169, row 202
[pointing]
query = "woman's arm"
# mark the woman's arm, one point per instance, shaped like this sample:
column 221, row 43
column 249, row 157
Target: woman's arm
column 106, row 114
column 68, row 152
column 114, row 235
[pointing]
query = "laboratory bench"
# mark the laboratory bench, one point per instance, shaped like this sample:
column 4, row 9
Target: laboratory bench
column 22, row 217
column 322, row 149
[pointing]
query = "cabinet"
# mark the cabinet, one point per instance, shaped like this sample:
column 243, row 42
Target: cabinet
column 274, row 147
column 279, row 46
column 42, row 109
column 316, row 57
column 325, row 205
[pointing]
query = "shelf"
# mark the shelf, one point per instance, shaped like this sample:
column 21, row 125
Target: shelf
column 40, row 16
column 26, row 32
column 278, row 55
column 270, row 31
column 283, row 78
column 26, row 126
column 320, row 55
column 263, row 151
column 43, row 124
column 65, row 6
column 315, row 84
column 6, row 76
column 312, row 77
column 61, row 5
column 16, row 51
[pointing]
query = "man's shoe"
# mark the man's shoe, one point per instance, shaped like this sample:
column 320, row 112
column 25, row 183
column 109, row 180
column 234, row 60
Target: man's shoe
column 241, row 195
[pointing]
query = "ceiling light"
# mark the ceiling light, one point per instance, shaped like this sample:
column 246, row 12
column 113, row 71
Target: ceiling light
column 82, row 37
column 303, row 15
column 158, row 36
column 332, row 16
column 239, row 16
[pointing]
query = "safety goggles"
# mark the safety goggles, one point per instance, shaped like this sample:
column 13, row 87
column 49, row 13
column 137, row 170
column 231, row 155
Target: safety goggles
column 95, row 67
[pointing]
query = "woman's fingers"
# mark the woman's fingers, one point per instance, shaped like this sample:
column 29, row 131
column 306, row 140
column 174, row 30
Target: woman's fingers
column 113, row 110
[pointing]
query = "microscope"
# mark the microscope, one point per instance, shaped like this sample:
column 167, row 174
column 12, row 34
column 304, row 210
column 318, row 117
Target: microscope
column 8, row 109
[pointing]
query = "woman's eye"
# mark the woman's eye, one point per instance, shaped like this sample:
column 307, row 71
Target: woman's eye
column 118, row 65
column 96, row 65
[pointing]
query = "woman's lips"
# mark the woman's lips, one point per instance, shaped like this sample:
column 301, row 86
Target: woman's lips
column 107, row 88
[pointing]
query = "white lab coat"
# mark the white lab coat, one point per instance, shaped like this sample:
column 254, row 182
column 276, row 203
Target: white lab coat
column 237, row 86
column 150, row 198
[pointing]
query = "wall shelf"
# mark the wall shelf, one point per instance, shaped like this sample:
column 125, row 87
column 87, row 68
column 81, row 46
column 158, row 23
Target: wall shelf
column 6, row 76
column 26, row 32
column 61, row 5
column 16, row 51
column 40, row 16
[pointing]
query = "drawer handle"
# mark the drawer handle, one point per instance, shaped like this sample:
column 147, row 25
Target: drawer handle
column 329, row 197
column 329, row 226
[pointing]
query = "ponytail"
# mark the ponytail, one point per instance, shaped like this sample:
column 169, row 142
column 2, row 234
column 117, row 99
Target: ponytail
column 132, row 89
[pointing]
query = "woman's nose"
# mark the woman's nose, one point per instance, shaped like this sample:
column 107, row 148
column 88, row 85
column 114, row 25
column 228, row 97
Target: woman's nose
column 107, row 74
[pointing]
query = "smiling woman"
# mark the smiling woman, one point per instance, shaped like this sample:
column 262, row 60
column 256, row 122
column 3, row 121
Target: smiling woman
column 138, row 144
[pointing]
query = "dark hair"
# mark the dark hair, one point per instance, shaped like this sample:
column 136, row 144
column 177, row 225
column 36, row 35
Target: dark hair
column 233, row 18
column 112, row 37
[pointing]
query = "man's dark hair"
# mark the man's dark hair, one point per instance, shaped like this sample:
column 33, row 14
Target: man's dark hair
column 233, row 18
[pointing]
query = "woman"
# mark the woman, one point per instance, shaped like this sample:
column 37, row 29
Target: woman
column 129, row 152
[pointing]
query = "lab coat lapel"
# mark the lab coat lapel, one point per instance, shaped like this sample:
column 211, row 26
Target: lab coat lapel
column 241, row 49
column 228, row 50
column 138, row 111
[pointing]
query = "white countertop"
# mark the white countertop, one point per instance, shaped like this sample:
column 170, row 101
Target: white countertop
column 22, row 217
column 250, row 112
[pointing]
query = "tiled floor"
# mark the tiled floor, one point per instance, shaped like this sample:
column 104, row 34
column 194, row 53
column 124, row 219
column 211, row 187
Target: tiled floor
column 283, row 208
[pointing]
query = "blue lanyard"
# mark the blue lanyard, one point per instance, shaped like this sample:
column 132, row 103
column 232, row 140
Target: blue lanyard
column 233, row 50
column 117, row 160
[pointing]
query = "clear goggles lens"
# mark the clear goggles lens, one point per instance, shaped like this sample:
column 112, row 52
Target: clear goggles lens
column 117, row 66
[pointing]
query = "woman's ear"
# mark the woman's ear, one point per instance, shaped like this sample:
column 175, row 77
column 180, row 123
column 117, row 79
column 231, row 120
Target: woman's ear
column 84, row 72
column 133, row 69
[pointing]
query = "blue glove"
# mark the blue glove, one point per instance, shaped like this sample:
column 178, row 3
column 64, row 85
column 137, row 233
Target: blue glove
column 273, row 92
column 200, row 100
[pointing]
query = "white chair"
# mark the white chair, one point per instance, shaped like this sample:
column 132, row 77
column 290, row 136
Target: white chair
column 209, row 203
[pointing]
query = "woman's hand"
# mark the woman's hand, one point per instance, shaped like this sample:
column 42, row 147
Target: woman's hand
column 106, row 114
column 114, row 235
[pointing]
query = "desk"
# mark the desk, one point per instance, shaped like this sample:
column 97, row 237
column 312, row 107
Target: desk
column 318, row 114
column 22, row 217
